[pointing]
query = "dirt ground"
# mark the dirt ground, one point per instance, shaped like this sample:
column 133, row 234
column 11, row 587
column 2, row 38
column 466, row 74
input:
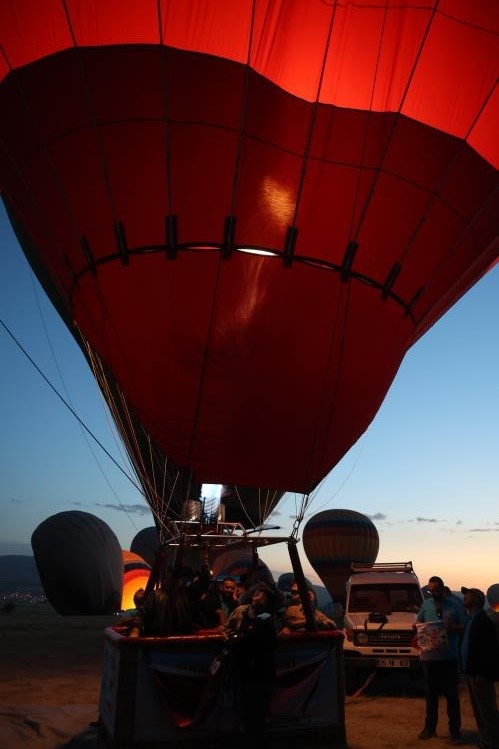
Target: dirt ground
column 50, row 682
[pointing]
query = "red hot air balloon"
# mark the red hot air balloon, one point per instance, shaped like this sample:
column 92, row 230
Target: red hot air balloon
column 247, row 211
column 80, row 564
column 333, row 539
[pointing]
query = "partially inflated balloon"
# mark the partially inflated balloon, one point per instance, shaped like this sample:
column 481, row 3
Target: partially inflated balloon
column 146, row 544
column 136, row 574
column 239, row 562
column 333, row 539
column 284, row 582
column 80, row 563
column 493, row 597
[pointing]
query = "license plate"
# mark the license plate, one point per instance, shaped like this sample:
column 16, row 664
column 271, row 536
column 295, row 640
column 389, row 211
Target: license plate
column 392, row 663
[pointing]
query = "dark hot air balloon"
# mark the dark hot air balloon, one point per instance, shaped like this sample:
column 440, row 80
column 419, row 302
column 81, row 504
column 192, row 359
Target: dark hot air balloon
column 239, row 562
column 333, row 539
column 493, row 597
column 284, row 582
column 80, row 563
column 146, row 543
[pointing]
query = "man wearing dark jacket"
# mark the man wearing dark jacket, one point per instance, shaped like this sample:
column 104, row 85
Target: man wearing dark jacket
column 480, row 659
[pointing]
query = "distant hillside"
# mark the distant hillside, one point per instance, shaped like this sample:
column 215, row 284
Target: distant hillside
column 18, row 573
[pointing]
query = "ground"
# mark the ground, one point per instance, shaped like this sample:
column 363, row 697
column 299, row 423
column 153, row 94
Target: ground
column 50, row 684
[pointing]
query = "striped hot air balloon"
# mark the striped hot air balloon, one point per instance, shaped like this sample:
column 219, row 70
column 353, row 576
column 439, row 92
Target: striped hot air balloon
column 333, row 539
column 136, row 573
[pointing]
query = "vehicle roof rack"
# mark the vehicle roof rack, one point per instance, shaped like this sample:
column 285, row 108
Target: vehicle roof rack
column 382, row 567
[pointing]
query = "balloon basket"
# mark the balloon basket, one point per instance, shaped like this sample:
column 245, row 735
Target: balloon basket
column 164, row 692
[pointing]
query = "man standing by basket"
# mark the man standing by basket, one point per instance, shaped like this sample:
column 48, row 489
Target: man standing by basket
column 439, row 623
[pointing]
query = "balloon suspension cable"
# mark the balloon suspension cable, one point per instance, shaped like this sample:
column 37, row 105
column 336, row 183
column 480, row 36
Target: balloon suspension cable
column 145, row 461
column 82, row 423
column 305, row 501
column 156, row 577
column 306, row 603
column 243, row 508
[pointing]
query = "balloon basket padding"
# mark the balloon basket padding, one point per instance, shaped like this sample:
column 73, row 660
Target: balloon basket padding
column 136, row 711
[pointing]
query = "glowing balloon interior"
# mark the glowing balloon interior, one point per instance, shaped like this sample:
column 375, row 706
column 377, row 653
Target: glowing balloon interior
column 136, row 574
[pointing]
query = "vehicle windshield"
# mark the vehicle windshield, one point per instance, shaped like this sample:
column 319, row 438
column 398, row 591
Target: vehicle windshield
column 385, row 598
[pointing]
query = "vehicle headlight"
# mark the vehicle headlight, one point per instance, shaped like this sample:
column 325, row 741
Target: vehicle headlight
column 362, row 638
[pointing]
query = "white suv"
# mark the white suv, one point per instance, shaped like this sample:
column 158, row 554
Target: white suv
column 381, row 606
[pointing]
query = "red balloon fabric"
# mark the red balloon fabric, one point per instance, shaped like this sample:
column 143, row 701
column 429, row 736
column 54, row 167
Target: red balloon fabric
column 251, row 210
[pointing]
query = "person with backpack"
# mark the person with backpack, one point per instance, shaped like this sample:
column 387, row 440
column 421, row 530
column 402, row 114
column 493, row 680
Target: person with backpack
column 480, row 659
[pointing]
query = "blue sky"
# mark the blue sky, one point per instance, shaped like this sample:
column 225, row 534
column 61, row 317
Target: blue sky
column 426, row 471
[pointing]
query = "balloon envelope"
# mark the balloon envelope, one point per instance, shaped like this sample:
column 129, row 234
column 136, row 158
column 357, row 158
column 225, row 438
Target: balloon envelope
column 284, row 582
column 239, row 562
column 251, row 210
column 333, row 539
column 80, row 563
column 146, row 544
column 493, row 596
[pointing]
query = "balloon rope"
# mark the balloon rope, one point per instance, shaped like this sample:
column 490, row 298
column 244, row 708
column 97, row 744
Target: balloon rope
column 134, row 452
column 66, row 391
column 110, row 399
column 362, row 166
column 305, row 499
column 243, row 508
column 56, row 392
column 391, row 134
column 313, row 117
column 92, row 118
column 242, row 117
column 168, row 159
column 155, row 500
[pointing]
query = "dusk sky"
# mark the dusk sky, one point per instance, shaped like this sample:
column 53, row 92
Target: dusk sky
column 426, row 471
